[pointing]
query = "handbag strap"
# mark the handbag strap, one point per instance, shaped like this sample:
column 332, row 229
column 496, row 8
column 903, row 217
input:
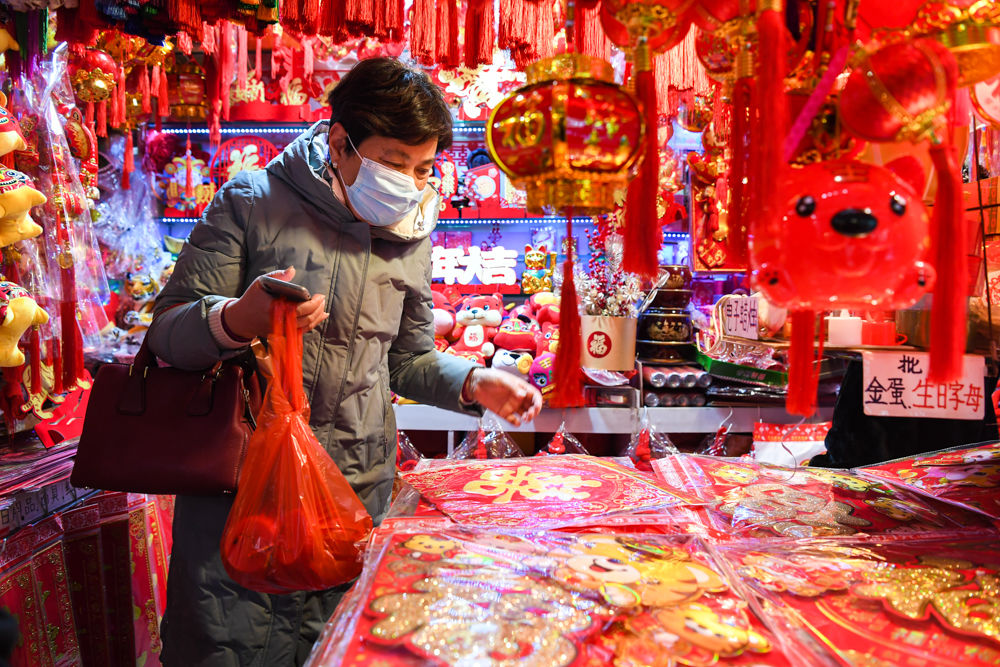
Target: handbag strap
column 133, row 398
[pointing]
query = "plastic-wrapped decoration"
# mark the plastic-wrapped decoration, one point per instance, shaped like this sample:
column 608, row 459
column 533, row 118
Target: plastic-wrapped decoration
column 562, row 442
column 924, row 601
column 540, row 492
column 648, row 444
column 489, row 441
column 747, row 499
column 497, row 598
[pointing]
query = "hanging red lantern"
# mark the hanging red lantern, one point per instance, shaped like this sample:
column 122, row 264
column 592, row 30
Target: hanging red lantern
column 902, row 92
column 93, row 74
column 970, row 29
column 187, row 92
column 569, row 137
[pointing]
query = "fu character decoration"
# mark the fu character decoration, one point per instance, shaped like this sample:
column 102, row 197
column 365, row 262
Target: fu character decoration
column 569, row 138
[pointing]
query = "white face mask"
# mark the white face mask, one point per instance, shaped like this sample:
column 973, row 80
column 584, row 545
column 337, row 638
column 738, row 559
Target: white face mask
column 379, row 195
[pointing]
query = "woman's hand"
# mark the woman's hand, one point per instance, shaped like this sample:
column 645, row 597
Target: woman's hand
column 250, row 315
column 507, row 395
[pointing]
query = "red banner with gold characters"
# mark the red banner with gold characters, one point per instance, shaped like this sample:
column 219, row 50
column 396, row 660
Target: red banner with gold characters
column 539, row 492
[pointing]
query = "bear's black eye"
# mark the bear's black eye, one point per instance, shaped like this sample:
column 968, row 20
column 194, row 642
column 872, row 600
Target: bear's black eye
column 897, row 204
column 805, row 207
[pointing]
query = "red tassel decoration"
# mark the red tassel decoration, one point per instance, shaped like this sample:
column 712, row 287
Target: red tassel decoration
column 768, row 131
column 566, row 372
column 738, row 175
column 331, row 22
column 311, row 12
column 102, row 119
column 55, row 354
column 359, row 15
column 590, row 36
column 395, row 20
column 129, row 165
column 949, row 235
column 36, row 360
column 308, row 58
column 258, row 65
column 144, row 90
column 187, row 16
column 189, row 175
column 643, row 236
column 184, row 42
column 423, row 32
column 163, row 98
column 803, row 377
column 227, row 66
column 480, row 33
column 446, row 52
column 89, row 114
column 242, row 61
column 275, row 48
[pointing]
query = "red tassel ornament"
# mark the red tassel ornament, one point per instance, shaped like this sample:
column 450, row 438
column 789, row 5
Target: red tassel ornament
column 129, row 163
column 423, row 32
column 480, row 34
column 771, row 108
column 566, row 371
column 102, row 119
column 144, row 90
column 803, row 373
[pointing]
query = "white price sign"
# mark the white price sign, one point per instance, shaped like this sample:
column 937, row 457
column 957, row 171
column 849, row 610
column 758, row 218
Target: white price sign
column 739, row 316
column 895, row 385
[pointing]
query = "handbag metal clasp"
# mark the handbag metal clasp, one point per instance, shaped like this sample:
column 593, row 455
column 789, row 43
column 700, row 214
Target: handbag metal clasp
column 213, row 373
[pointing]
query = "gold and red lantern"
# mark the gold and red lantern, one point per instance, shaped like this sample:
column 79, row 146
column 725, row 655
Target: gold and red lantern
column 93, row 74
column 187, row 92
column 970, row 29
column 569, row 137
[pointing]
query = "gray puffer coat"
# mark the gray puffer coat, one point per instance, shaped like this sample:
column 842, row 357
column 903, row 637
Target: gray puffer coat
column 379, row 336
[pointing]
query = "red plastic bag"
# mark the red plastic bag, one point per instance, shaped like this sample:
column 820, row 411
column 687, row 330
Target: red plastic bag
column 296, row 522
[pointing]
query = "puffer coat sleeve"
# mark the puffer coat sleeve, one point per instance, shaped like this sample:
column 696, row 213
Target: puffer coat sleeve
column 416, row 369
column 211, row 267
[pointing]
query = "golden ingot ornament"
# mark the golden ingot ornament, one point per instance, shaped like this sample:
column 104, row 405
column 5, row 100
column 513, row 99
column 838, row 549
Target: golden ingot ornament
column 569, row 137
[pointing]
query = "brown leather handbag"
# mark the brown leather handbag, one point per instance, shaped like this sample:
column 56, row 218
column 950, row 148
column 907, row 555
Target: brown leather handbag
column 152, row 429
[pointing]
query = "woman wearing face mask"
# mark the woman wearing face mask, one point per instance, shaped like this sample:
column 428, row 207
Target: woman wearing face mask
column 346, row 212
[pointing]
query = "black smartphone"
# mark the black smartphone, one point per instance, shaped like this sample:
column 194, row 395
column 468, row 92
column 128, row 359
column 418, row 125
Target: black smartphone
column 283, row 289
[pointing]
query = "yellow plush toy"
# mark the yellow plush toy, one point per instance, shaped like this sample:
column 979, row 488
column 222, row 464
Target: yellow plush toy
column 7, row 43
column 18, row 312
column 16, row 199
column 10, row 131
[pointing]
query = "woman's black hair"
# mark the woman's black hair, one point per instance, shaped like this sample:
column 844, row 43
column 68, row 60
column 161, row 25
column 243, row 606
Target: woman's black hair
column 384, row 97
